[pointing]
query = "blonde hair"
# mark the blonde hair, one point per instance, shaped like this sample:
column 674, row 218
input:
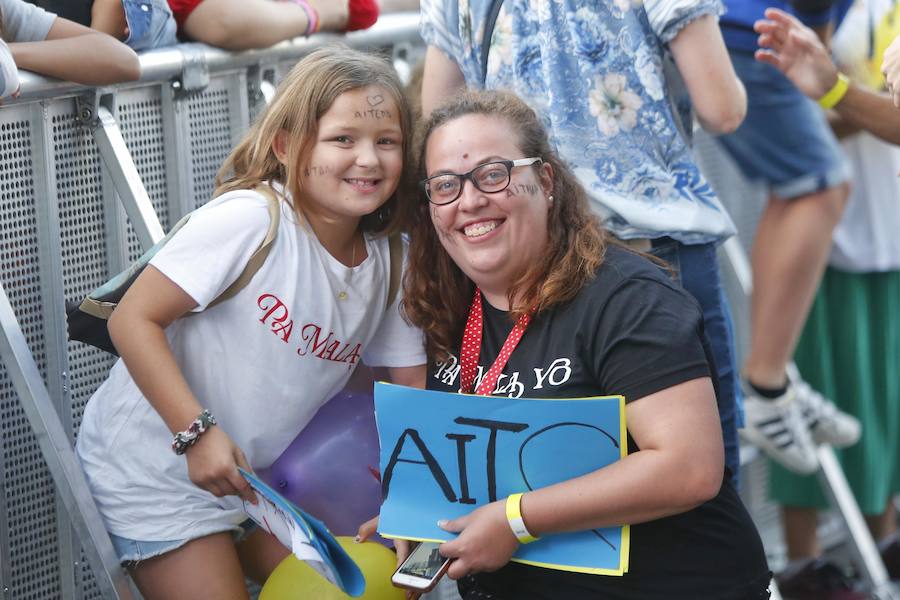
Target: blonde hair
column 305, row 94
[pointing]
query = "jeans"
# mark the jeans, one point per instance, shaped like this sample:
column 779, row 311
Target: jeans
column 697, row 270
column 150, row 24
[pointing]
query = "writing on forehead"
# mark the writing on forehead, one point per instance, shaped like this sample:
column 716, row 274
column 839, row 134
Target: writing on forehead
column 318, row 170
column 375, row 100
column 522, row 188
column 372, row 113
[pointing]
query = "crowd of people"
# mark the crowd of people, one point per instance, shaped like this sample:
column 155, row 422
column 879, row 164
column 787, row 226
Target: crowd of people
column 557, row 193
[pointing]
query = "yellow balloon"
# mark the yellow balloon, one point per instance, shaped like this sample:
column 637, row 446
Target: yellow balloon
column 293, row 579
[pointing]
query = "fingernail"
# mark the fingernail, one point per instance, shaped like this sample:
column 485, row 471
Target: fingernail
column 442, row 523
column 356, row 539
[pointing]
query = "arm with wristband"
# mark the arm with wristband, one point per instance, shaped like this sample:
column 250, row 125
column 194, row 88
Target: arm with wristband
column 190, row 271
column 671, row 474
column 137, row 327
column 794, row 49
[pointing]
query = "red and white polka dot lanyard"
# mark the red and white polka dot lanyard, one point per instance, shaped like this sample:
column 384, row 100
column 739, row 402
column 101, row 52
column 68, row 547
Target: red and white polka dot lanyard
column 471, row 350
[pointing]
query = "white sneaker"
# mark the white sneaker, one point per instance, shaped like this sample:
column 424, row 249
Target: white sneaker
column 776, row 426
column 826, row 423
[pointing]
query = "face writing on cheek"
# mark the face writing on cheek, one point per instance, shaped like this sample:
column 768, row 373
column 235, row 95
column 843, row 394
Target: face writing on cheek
column 493, row 237
column 318, row 170
column 355, row 164
column 436, row 221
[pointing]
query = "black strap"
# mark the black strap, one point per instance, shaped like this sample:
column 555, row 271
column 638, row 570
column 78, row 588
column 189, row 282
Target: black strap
column 489, row 23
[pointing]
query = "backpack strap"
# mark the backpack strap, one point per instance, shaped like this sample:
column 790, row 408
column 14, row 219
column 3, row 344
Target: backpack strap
column 395, row 248
column 489, row 22
column 259, row 257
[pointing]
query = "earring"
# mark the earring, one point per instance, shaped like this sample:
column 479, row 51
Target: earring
column 550, row 198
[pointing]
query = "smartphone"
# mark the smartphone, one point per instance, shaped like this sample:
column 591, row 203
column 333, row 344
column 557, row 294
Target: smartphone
column 422, row 569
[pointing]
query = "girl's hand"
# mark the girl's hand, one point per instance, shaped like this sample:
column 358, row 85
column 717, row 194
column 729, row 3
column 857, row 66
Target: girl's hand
column 368, row 529
column 213, row 465
column 485, row 541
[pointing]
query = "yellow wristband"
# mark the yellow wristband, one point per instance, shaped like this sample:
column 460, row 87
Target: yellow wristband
column 836, row 93
column 516, row 522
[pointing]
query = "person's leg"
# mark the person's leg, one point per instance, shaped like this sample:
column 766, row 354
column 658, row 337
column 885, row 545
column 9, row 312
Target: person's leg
column 800, row 525
column 786, row 143
column 259, row 553
column 789, row 254
column 203, row 569
column 243, row 24
column 885, row 524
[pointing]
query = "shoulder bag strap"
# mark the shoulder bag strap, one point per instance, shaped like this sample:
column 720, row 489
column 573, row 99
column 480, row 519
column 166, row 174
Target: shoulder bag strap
column 259, row 257
column 489, row 23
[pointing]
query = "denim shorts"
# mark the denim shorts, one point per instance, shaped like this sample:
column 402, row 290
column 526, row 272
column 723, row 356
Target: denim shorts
column 131, row 552
column 150, row 24
column 697, row 269
column 785, row 139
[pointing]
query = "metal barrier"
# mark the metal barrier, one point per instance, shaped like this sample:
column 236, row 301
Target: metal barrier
column 89, row 178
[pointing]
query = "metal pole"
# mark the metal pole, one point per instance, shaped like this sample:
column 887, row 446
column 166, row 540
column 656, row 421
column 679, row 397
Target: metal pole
column 126, row 179
column 831, row 476
column 57, row 451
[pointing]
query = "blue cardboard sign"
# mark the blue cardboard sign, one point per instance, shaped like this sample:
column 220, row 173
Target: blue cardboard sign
column 443, row 455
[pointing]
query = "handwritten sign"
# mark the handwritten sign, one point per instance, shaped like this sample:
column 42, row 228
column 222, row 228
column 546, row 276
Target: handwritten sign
column 443, row 455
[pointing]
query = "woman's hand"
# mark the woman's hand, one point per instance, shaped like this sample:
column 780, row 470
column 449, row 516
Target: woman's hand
column 485, row 541
column 213, row 465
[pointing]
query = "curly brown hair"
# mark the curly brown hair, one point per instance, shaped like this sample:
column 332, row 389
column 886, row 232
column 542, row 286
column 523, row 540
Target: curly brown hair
column 305, row 94
column 437, row 294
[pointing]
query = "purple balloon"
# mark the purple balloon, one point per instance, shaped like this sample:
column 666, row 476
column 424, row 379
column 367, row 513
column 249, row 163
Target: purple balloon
column 331, row 469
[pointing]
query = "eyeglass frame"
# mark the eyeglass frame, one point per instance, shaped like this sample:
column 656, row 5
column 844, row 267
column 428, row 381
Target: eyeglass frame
column 463, row 177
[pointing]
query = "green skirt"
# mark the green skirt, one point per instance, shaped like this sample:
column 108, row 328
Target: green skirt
column 850, row 352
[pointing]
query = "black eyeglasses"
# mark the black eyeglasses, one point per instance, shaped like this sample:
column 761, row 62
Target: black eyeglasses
column 489, row 178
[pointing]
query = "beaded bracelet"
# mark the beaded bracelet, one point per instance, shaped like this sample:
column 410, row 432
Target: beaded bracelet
column 187, row 438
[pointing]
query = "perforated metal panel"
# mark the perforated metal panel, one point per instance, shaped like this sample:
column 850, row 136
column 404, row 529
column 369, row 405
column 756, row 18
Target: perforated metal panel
column 30, row 519
column 177, row 144
column 141, row 120
column 83, row 240
column 211, row 132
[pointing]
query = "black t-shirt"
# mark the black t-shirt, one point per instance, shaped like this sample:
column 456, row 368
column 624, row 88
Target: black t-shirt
column 73, row 10
column 631, row 331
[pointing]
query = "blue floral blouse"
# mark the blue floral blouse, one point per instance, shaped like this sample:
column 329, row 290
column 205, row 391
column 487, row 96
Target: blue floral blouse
column 595, row 76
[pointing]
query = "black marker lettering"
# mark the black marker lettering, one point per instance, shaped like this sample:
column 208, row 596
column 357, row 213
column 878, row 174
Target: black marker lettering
column 428, row 460
column 494, row 426
column 461, row 440
column 372, row 113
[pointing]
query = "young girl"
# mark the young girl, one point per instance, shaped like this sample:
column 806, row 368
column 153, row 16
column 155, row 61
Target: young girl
column 251, row 372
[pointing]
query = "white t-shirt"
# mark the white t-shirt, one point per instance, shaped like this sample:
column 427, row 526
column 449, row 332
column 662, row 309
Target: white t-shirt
column 263, row 362
column 866, row 238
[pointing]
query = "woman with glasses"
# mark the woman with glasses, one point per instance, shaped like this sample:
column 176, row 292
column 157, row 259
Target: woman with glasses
column 508, row 268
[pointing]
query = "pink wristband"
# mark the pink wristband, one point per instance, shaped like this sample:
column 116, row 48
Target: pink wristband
column 311, row 16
